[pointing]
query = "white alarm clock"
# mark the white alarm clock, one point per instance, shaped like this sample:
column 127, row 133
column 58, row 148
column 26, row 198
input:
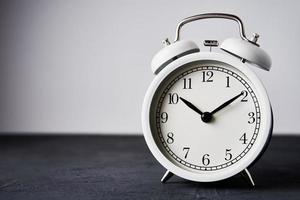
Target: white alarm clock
column 206, row 116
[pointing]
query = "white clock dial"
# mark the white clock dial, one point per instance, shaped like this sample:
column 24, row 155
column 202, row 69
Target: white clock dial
column 193, row 127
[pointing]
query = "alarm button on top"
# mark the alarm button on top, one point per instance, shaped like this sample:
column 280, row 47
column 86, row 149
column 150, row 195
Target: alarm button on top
column 172, row 52
column 249, row 51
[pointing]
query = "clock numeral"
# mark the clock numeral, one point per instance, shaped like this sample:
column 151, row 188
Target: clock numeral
column 164, row 117
column 227, row 82
column 173, row 98
column 243, row 139
column 170, row 138
column 187, row 149
column 207, row 76
column 205, row 159
column 187, row 83
column 228, row 155
column 251, row 118
column 245, row 94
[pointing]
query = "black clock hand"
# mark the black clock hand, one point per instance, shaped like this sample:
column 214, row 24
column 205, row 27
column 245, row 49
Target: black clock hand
column 226, row 103
column 190, row 105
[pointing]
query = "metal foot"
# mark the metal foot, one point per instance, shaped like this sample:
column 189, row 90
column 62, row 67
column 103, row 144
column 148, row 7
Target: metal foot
column 166, row 176
column 246, row 174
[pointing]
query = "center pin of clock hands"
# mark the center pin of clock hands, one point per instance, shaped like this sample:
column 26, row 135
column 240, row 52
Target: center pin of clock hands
column 207, row 116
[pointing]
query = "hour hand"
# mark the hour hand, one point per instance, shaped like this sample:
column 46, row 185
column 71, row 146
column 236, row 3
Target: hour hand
column 191, row 106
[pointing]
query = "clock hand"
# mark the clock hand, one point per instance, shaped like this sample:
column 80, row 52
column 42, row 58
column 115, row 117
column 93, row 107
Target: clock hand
column 226, row 103
column 190, row 105
column 205, row 116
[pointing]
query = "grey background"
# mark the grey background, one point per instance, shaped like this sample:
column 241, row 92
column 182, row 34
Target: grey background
column 84, row 66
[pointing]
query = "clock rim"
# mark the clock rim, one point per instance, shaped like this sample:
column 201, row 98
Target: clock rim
column 265, row 105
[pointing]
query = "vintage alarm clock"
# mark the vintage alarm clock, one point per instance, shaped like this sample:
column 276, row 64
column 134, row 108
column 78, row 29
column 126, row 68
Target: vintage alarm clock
column 206, row 116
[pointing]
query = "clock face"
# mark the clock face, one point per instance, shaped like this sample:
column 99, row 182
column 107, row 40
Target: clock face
column 205, row 116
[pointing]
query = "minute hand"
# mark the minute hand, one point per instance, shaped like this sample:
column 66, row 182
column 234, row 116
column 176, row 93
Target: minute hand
column 226, row 103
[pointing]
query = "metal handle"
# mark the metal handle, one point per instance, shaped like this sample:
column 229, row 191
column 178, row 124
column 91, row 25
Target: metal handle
column 211, row 15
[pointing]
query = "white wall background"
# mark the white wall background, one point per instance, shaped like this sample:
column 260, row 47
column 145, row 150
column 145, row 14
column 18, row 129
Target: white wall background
column 84, row 66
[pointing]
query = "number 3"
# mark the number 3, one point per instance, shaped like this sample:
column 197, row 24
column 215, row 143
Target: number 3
column 251, row 118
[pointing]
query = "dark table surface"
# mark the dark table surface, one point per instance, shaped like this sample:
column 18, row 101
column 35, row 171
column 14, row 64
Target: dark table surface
column 120, row 167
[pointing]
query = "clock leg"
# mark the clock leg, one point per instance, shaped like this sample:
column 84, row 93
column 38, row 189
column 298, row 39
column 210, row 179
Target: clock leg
column 246, row 174
column 166, row 176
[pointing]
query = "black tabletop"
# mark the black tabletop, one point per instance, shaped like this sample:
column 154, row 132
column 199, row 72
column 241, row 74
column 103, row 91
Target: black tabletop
column 121, row 167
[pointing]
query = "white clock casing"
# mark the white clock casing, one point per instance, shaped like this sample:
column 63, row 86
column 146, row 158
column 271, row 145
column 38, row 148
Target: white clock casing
column 260, row 143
